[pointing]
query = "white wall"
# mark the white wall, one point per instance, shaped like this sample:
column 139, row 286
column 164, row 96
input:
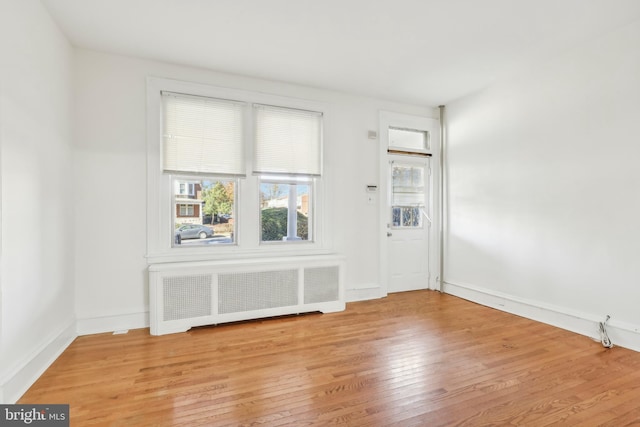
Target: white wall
column 110, row 180
column 544, row 200
column 36, row 278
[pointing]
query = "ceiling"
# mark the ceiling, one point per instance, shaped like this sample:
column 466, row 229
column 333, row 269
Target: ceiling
column 424, row 52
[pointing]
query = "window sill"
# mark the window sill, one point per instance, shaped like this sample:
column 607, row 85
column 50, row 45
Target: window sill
column 234, row 254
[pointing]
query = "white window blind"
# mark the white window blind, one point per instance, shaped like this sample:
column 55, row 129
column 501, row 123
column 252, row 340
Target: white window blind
column 202, row 135
column 288, row 141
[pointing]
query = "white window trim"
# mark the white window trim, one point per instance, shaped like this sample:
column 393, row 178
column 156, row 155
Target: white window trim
column 159, row 184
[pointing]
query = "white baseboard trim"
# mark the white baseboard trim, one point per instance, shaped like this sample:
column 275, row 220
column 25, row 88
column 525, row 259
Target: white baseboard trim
column 363, row 294
column 98, row 325
column 621, row 333
column 18, row 380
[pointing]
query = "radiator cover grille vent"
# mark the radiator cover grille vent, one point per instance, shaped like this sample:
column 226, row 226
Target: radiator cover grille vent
column 321, row 284
column 238, row 292
column 183, row 295
column 186, row 297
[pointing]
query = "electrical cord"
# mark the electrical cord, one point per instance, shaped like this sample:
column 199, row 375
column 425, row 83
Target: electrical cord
column 604, row 338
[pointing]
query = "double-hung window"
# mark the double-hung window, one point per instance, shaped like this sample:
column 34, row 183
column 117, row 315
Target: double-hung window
column 232, row 172
column 203, row 152
column 288, row 160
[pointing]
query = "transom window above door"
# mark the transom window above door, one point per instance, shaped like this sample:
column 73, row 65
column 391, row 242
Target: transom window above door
column 408, row 140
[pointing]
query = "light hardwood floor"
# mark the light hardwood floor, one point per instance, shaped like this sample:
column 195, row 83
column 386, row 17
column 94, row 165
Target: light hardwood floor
column 412, row 359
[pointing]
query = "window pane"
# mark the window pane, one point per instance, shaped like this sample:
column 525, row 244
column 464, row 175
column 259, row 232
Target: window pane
column 205, row 214
column 408, row 139
column 407, row 195
column 396, row 211
column 285, row 211
column 408, row 185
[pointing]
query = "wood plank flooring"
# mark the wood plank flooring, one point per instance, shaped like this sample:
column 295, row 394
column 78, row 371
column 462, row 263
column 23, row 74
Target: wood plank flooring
column 412, row 359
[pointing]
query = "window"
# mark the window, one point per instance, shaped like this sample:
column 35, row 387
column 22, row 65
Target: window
column 232, row 172
column 186, row 189
column 408, row 140
column 288, row 157
column 213, row 213
column 186, row 210
column 203, row 136
column 407, row 195
column 285, row 210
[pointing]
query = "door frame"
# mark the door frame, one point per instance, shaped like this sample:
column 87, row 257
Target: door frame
column 387, row 119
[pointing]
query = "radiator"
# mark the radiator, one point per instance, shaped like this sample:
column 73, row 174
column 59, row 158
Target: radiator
column 188, row 294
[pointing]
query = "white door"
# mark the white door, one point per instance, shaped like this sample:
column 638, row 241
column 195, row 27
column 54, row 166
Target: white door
column 409, row 223
column 409, row 203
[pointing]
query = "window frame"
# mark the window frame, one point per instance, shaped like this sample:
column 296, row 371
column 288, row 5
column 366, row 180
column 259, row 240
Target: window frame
column 247, row 216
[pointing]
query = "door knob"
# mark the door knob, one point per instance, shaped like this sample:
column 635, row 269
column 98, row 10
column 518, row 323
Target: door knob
column 389, row 234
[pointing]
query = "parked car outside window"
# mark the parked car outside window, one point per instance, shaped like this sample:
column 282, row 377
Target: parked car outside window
column 193, row 231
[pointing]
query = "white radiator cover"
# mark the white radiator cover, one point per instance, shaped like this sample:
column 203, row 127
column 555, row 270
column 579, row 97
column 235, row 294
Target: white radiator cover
column 187, row 294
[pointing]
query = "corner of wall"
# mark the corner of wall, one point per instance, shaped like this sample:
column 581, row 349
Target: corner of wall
column 21, row 377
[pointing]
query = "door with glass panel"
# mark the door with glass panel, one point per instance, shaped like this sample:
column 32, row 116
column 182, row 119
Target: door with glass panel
column 409, row 178
column 409, row 223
